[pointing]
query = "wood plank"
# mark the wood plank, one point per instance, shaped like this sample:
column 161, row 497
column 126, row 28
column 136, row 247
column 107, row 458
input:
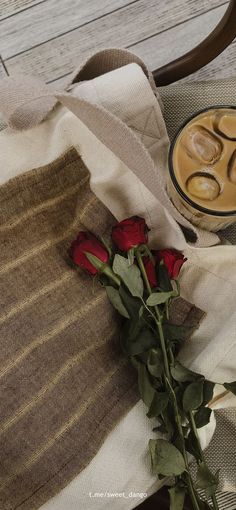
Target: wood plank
column 10, row 7
column 55, row 17
column 125, row 27
column 3, row 68
column 181, row 39
column 2, row 71
column 162, row 48
column 2, row 75
column 224, row 66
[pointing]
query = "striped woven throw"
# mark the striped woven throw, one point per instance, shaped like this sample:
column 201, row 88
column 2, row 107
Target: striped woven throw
column 64, row 383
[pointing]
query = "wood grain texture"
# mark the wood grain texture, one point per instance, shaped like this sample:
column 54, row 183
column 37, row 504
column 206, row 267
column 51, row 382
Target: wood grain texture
column 126, row 27
column 169, row 45
column 45, row 22
column 10, row 7
column 2, row 71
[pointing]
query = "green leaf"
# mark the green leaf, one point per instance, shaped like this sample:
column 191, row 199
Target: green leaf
column 129, row 331
column 231, row 387
column 115, row 299
column 130, row 275
column 163, row 279
column 179, row 391
column 202, row 417
column 168, row 420
column 208, row 391
column 143, row 341
column 193, row 396
column 166, row 458
column 158, row 405
column 157, row 298
column 177, row 497
column 145, row 388
column 131, row 303
column 192, row 446
column 155, row 363
column 160, row 428
column 206, row 480
column 141, row 311
column 175, row 332
column 182, row 374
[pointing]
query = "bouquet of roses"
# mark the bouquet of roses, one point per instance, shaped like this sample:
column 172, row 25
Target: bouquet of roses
column 142, row 285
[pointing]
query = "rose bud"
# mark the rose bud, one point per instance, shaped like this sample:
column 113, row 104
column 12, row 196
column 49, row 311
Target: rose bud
column 173, row 261
column 130, row 233
column 151, row 271
column 90, row 244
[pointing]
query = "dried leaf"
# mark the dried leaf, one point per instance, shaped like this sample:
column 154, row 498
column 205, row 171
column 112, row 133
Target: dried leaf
column 158, row 405
column 208, row 391
column 182, row 374
column 202, row 417
column 145, row 387
column 155, row 362
column 166, row 459
column 177, row 497
column 163, row 279
column 138, row 343
column 206, row 480
column 193, row 396
column 231, row 387
column 130, row 275
column 131, row 304
column 115, row 299
column 157, row 298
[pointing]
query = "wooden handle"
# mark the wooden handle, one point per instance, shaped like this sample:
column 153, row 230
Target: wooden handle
column 205, row 52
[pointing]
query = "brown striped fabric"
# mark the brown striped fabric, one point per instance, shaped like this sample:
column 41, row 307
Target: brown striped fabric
column 63, row 381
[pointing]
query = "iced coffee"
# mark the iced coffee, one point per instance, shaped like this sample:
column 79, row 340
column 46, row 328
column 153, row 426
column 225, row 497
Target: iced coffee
column 203, row 163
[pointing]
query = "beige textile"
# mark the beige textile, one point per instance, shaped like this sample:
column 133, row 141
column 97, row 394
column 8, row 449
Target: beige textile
column 119, row 117
column 24, row 103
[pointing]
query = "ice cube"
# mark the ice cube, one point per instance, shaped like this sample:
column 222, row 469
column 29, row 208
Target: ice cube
column 203, row 186
column 225, row 124
column 202, row 144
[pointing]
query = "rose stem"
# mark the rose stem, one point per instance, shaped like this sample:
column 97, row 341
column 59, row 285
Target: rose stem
column 168, row 377
column 201, row 454
column 158, row 322
column 108, row 271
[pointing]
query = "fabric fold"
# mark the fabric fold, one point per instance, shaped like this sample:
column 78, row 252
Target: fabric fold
column 115, row 123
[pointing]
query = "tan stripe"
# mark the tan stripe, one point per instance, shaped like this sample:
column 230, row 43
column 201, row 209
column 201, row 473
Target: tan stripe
column 88, row 205
column 45, row 205
column 71, row 362
column 71, row 421
column 47, row 244
column 58, row 328
column 36, row 295
column 36, row 250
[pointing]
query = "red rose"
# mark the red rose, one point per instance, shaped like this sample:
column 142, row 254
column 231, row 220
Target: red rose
column 130, row 233
column 151, row 271
column 173, row 261
column 87, row 243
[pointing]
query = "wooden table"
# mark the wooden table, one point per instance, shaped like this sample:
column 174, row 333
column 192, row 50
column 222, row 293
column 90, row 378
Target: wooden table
column 50, row 38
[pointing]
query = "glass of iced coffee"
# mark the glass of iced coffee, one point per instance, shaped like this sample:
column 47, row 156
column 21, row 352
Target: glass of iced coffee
column 202, row 164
